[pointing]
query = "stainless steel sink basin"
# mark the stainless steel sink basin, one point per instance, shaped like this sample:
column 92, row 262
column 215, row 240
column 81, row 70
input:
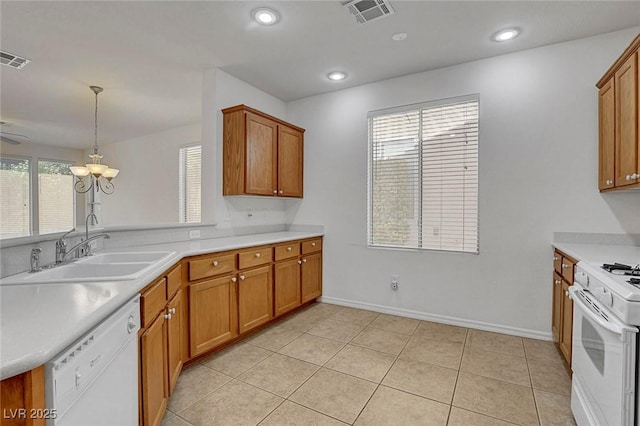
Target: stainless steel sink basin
column 99, row 267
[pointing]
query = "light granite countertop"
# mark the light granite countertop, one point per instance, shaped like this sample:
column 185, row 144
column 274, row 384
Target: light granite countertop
column 38, row 321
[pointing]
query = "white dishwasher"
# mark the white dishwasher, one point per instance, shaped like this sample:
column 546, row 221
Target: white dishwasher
column 95, row 380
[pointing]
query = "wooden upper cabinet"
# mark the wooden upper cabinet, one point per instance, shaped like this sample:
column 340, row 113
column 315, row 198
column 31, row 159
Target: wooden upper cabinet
column 607, row 142
column 626, row 89
column 290, row 159
column 262, row 155
column 619, row 124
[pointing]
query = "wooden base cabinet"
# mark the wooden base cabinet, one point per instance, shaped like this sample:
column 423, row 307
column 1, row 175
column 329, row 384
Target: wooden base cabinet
column 255, row 298
column 619, row 122
column 21, row 396
column 311, row 277
column 562, row 316
column 213, row 314
column 286, row 286
column 161, row 341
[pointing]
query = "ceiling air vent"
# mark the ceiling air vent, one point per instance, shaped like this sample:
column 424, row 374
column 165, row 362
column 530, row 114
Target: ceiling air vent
column 369, row 10
column 13, row 61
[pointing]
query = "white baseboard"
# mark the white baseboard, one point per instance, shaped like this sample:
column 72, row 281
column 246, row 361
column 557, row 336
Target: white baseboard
column 497, row 328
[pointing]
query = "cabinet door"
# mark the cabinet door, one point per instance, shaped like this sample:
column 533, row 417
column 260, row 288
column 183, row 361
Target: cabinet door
column 175, row 327
column 290, row 160
column 626, row 99
column 255, row 298
column 287, row 286
column 153, row 363
column 607, row 142
column 566, row 333
column 213, row 316
column 311, row 273
column 556, row 318
column 261, row 155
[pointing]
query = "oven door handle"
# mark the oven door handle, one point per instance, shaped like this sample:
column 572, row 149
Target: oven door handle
column 615, row 327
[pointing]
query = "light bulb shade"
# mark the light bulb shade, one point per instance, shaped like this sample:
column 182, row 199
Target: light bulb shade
column 97, row 169
column 79, row 171
column 110, row 173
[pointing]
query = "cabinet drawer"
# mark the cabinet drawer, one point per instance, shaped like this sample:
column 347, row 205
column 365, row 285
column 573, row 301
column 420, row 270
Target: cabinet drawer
column 174, row 278
column 557, row 261
column 567, row 269
column 287, row 251
column 211, row 265
column 152, row 301
column 254, row 257
column 312, row 246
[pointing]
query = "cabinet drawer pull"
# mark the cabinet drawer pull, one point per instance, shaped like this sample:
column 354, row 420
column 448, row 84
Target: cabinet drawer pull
column 555, row 258
column 215, row 263
column 275, row 191
column 172, row 311
column 167, row 316
column 313, row 244
column 299, row 262
column 565, row 266
column 281, row 191
column 304, row 260
column 257, row 254
column 242, row 277
column 234, row 279
column 609, row 182
column 288, row 248
column 628, row 177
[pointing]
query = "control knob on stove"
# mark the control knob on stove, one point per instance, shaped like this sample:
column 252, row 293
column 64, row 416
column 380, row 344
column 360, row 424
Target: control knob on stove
column 603, row 295
column 582, row 278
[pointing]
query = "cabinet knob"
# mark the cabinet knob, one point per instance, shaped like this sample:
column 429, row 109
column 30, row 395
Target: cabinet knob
column 609, row 182
column 288, row 248
column 299, row 262
column 628, row 177
column 242, row 277
column 635, row 176
column 275, row 191
column 234, row 279
column 280, row 192
column 565, row 266
column 215, row 263
column 313, row 244
column 257, row 254
column 172, row 311
column 304, row 260
column 555, row 258
column 167, row 316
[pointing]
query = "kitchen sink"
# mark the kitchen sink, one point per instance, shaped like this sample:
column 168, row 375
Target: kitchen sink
column 99, row 267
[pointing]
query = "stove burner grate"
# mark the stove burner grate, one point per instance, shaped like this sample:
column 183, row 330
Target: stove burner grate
column 622, row 269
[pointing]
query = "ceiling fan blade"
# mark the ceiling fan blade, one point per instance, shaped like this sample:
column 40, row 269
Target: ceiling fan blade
column 9, row 140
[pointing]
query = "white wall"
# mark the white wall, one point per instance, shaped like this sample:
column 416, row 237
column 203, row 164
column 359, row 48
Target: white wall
column 146, row 189
column 538, row 174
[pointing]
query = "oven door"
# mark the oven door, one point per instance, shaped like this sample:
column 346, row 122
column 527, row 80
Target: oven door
column 603, row 364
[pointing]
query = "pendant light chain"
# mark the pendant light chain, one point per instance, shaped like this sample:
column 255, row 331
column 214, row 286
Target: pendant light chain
column 95, row 144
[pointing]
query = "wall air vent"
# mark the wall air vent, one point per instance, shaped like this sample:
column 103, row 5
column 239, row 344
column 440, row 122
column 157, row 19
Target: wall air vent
column 369, row 10
column 13, row 61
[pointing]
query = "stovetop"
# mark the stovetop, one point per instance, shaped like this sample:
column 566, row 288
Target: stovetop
column 626, row 270
column 623, row 279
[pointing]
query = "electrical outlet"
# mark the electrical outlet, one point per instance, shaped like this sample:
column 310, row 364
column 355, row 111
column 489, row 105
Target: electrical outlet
column 394, row 282
column 194, row 233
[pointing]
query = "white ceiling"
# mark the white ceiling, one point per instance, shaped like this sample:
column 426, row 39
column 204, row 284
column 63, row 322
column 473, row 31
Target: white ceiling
column 149, row 56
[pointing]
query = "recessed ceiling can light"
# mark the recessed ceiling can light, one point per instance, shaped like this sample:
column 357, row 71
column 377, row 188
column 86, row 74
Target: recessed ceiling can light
column 399, row 36
column 506, row 34
column 266, row 16
column 337, row 75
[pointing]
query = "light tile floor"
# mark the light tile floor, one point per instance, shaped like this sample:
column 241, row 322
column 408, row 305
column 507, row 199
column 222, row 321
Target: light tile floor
column 331, row 365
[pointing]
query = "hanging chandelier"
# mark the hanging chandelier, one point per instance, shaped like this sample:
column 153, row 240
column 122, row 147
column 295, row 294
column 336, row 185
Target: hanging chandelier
column 99, row 175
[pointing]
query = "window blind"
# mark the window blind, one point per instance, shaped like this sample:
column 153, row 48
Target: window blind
column 15, row 197
column 190, row 183
column 423, row 176
column 56, row 197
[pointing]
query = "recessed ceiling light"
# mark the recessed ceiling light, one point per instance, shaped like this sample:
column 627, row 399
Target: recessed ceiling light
column 266, row 16
column 399, row 36
column 506, row 34
column 337, row 75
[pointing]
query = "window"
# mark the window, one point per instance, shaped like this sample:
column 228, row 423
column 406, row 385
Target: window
column 423, row 176
column 189, row 192
column 56, row 197
column 54, row 206
column 15, row 197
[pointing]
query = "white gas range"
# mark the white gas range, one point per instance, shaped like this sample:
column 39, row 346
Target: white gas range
column 606, row 320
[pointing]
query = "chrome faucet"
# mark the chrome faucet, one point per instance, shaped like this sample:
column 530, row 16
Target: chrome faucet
column 87, row 251
column 61, row 247
column 86, row 245
column 35, row 260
